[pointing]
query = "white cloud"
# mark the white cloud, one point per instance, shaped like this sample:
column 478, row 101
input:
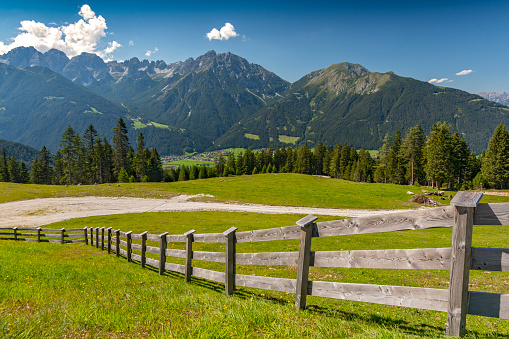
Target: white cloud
column 439, row 81
column 131, row 43
column 72, row 39
column 226, row 32
column 149, row 53
column 464, row 72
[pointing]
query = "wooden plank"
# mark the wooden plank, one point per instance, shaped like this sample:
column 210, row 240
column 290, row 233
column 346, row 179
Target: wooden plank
column 39, row 235
column 460, row 269
column 266, row 283
column 136, row 236
column 102, row 238
column 279, row 233
column 74, row 241
column 188, row 271
column 51, row 229
column 401, row 221
column 414, row 297
column 410, row 259
column 466, row 199
column 307, row 220
column 73, row 235
column 123, row 243
column 135, row 257
column 143, row 248
column 117, row 242
column 490, row 259
column 153, row 237
column 209, row 274
column 175, row 253
column 123, row 252
column 50, row 235
column 109, row 239
column 152, row 262
column 136, row 247
column 122, row 234
column 492, row 214
column 230, row 266
column 154, row 250
column 303, row 262
column 25, row 234
column 489, row 304
column 175, row 267
column 209, row 237
column 268, row 258
column 176, row 238
column 162, row 252
column 210, row 256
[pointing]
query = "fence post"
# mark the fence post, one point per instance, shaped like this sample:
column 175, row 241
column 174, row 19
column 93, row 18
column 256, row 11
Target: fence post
column 97, row 237
column 102, row 238
column 85, row 231
column 301, row 291
column 109, row 240
column 38, row 234
column 162, row 252
column 62, row 235
column 189, row 255
column 91, row 236
column 464, row 204
column 143, row 248
column 230, row 249
column 117, row 242
column 15, row 229
column 129, row 246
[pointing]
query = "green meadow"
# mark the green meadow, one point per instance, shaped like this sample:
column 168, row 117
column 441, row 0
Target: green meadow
column 78, row 291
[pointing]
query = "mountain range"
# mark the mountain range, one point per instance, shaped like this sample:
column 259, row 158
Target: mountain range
column 502, row 98
column 221, row 100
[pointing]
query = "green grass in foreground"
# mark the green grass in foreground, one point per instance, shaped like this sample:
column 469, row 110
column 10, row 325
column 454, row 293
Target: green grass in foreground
column 78, row 291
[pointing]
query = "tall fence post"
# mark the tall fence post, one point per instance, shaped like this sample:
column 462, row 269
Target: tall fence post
column 91, row 236
column 129, row 245
column 62, row 235
column 189, row 255
column 301, row 291
column 465, row 204
column 15, row 229
column 230, row 249
column 109, row 240
column 143, row 248
column 102, row 238
column 117, row 242
column 39, row 234
column 85, row 233
column 97, row 237
column 162, row 252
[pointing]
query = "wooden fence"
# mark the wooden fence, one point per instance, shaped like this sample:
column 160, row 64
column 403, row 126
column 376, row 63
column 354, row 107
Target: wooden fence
column 464, row 212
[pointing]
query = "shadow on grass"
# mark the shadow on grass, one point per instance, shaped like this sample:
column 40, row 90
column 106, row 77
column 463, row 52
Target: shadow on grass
column 420, row 329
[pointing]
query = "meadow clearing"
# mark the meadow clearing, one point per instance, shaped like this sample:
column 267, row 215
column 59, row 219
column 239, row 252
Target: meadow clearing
column 78, row 291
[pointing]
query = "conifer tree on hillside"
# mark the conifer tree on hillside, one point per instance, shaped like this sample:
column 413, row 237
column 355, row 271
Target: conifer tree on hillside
column 412, row 154
column 68, row 147
column 121, row 148
column 495, row 162
column 438, row 151
column 4, row 173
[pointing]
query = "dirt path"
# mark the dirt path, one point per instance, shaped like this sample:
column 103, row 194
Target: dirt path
column 38, row 212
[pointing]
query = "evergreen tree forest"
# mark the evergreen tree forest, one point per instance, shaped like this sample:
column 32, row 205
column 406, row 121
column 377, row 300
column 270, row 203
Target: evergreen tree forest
column 441, row 159
column 87, row 159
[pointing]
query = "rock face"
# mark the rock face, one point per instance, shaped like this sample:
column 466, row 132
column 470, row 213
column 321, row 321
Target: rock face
column 501, row 98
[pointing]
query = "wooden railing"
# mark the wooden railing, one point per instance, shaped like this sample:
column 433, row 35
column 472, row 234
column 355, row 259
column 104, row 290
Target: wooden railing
column 38, row 234
column 460, row 258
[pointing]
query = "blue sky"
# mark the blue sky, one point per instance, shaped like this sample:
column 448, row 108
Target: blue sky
column 423, row 40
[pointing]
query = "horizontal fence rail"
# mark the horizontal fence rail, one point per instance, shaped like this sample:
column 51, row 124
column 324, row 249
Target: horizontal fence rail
column 459, row 259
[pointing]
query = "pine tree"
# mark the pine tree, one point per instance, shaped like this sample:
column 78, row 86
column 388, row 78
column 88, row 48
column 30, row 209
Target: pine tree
column 46, row 161
column 183, row 173
column 4, row 173
column 89, row 140
column 411, row 153
column 68, row 151
column 438, row 151
column 140, row 161
column 37, row 172
column 495, row 161
column 13, row 168
column 384, row 158
column 121, row 148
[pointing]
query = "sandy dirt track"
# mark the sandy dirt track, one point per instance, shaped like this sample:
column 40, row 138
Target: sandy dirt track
column 38, row 212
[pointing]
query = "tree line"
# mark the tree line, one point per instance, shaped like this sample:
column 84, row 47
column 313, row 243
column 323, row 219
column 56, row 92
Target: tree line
column 87, row 159
column 442, row 158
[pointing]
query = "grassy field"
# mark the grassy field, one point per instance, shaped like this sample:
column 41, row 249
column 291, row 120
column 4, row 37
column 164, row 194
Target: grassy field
column 78, row 291
column 270, row 189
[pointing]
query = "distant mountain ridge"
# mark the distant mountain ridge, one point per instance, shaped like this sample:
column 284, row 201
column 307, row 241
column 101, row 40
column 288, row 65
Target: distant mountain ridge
column 501, row 98
column 222, row 100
